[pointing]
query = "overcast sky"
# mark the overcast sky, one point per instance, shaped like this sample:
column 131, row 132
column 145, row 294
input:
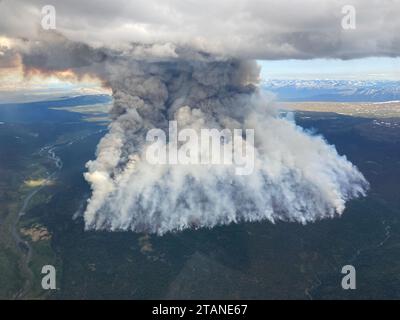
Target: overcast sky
column 291, row 39
column 262, row 29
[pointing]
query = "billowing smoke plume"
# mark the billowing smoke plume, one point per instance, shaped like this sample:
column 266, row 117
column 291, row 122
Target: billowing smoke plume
column 296, row 177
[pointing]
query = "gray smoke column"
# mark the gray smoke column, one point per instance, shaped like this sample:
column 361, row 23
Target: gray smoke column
column 297, row 176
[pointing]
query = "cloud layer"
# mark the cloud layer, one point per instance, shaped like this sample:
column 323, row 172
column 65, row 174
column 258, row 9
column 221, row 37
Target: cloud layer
column 273, row 29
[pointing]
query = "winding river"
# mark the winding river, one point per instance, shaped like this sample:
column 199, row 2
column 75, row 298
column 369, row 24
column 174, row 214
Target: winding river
column 48, row 152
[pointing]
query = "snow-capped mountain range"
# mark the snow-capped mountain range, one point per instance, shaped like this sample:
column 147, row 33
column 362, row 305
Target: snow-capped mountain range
column 334, row 90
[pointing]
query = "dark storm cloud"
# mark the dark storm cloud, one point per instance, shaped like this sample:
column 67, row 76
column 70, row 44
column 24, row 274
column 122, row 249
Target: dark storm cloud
column 252, row 29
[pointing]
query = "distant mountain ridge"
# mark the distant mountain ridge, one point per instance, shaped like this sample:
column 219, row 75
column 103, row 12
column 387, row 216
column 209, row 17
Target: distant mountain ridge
column 334, row 90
